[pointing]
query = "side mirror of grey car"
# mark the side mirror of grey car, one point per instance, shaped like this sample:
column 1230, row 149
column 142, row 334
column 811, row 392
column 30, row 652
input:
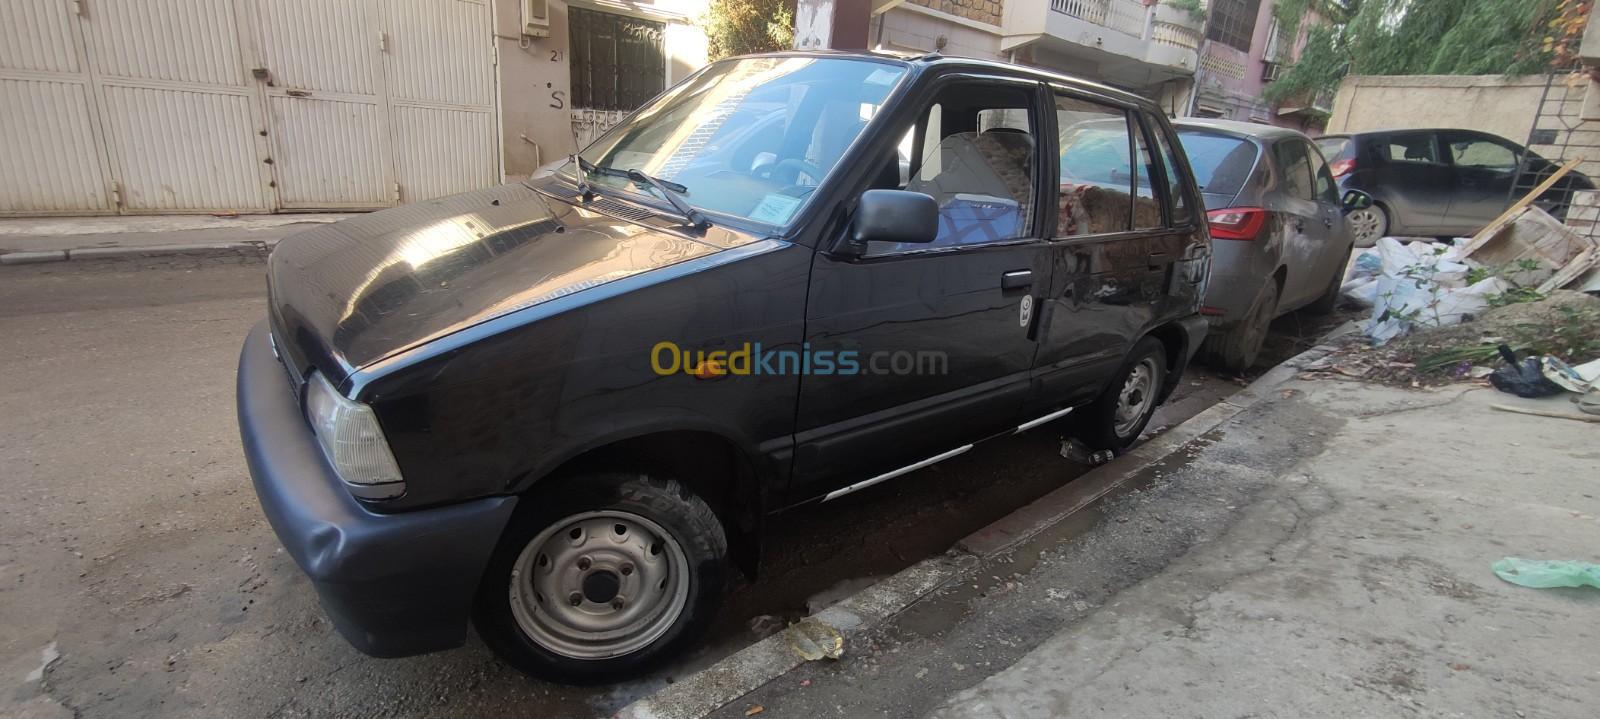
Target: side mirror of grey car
column 1355, row 200
column 896, row 216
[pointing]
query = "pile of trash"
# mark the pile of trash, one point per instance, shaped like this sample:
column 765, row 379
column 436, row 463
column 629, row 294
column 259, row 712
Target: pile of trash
column 1426, row 284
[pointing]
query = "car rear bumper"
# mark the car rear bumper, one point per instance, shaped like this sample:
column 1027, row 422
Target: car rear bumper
column 393, row 584
column 1229, row 296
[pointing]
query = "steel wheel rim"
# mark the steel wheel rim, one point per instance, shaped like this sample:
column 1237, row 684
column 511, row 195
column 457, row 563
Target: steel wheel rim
column 1137, row 395
column 1366, row 223
column 600, row 584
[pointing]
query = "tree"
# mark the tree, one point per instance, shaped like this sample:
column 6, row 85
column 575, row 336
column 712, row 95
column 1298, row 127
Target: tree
column 1428, row 37
column 740, row 27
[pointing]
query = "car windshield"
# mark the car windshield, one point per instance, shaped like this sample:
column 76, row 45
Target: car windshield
column 750, row 137
column 1220, row 163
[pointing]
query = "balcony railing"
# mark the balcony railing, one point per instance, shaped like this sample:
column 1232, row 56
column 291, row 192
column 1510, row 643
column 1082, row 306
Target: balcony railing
column 1132, row 18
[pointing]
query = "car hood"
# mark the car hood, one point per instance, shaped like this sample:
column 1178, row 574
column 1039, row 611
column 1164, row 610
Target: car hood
column 351, row 293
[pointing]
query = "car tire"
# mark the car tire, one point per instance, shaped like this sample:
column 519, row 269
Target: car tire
column 1329, row 301
column 636, row 565
column 1368, row 225
column 1115, row 419
column 1236, row 348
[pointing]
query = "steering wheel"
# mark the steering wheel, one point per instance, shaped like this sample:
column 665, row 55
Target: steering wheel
column 793, row 166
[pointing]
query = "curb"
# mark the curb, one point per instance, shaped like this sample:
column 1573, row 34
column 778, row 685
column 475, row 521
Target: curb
column 146, row 251
column 746, row 670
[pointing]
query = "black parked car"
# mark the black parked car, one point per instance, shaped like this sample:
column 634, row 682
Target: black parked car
column 1437, row 182
column 563, row 408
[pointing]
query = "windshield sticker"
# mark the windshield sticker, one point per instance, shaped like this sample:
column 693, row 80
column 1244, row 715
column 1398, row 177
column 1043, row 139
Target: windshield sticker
column 882, row 77
column 775, row 208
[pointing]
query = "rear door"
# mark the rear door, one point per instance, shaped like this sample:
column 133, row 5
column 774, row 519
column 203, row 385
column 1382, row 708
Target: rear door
column 1484, row 168
column 1110, row 244
column 1299, row 220
column 1413, row 179
column 930, row 346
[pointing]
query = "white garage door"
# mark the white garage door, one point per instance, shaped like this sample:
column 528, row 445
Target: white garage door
column 242, row 105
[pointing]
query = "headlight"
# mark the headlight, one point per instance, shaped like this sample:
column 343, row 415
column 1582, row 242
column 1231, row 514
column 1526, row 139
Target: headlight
column 352, row 441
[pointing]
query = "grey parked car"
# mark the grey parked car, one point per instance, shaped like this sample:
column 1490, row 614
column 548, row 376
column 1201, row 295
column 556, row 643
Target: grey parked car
column 1280, row 237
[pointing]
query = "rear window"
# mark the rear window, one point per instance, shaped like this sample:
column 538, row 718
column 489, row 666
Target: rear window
column 1333, row 148
column 1220, row 163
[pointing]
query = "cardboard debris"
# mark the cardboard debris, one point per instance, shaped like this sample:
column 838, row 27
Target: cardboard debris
column 1551, row 248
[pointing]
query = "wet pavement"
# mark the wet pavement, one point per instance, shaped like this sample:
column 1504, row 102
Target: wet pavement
column 138, row 576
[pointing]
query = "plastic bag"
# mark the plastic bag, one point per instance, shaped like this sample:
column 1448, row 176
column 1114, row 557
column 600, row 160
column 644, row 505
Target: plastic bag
column 1547, row 573
column 1523, row 378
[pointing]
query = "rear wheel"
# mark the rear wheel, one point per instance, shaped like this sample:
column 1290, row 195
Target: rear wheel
column 1235, row 349
column 1368, row 225
column 606, row 575
column 1115, row 419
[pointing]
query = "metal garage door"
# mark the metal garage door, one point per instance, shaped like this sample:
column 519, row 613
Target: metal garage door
column 242, row 105
column 50, row 162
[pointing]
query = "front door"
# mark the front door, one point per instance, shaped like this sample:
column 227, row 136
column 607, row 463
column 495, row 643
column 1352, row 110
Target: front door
column 931, row 345
column 1484, row 170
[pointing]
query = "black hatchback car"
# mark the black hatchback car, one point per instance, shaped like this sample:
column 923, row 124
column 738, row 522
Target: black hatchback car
column 563, row 409
column 1438, row 182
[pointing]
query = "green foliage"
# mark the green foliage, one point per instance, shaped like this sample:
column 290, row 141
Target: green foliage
column 741, row 27
column 1421, row 37
column 1193, row 7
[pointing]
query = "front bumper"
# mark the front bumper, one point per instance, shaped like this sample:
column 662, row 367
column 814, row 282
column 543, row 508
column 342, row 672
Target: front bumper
column 393, row 584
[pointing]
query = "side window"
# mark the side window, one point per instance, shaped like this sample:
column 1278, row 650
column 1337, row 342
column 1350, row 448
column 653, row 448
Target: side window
column 1295, row 169
column 1146, row 208
column 1469, row 151
column 1096, row 168
column 978, row 162
column 1179, row 198
column 1327, row 190
column 1416, row 147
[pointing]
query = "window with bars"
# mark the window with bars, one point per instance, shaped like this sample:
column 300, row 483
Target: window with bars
column 617, row 61
column 1233, row 22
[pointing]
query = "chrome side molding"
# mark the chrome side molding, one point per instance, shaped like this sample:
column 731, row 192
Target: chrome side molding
column 842, row 491
column 1025, row 426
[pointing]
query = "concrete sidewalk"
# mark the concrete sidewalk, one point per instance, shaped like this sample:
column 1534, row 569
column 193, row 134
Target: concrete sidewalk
column 54, row 239
column 1324, row 553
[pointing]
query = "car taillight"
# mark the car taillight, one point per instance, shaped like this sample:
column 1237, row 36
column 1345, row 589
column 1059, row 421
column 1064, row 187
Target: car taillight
column 1340, row 168
column 1237, row 223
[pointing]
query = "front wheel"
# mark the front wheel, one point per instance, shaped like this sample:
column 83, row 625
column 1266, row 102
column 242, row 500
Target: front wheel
column 1115, row 419
column 603, row 577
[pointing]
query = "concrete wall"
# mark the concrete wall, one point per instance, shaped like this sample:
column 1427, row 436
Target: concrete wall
column 913, row 28
column 1505, row 106
column 535, row 77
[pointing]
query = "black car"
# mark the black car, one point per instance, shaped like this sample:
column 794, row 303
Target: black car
column 563, row 409
column 1438, row 182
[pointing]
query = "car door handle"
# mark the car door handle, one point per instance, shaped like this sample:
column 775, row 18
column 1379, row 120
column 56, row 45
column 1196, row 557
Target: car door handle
column 1016, row 279
column 1327, row 221
column 1158, row 260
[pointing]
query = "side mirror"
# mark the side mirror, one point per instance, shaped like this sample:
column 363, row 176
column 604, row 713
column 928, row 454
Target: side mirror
column 895, row 216
column 1355, row 200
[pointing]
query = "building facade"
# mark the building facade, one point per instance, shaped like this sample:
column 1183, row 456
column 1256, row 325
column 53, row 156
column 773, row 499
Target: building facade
column 175, row 106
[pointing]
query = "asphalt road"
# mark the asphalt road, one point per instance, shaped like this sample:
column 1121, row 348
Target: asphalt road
column 138, row 576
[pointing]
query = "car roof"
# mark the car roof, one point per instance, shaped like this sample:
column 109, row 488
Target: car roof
column 920, row 63
column 1236, row 128
column 1397, row 130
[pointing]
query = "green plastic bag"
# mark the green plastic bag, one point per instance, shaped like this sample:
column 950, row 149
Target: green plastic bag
column 1547, row 573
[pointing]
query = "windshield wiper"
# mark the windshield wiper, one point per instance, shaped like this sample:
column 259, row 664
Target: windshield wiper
column 668, row 189
column 673, row 192
column 582, row 166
